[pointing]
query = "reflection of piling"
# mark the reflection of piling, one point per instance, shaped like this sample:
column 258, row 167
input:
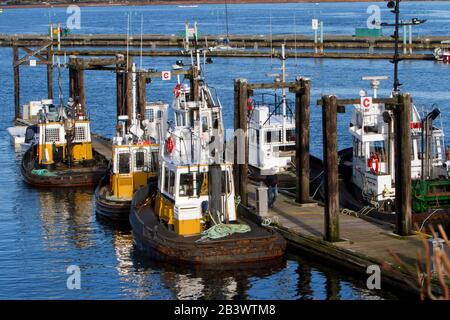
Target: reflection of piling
column 302, row 119
column 402, row 129
column 330, row 158
column 240, row 140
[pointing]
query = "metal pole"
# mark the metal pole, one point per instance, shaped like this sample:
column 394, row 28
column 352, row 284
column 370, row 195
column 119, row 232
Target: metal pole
column 397, row 83
column 410, row 39
column 321, row 36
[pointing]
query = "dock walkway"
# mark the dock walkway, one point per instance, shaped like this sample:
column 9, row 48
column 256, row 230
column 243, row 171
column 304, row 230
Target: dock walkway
column 102, row 145
column 364, row 243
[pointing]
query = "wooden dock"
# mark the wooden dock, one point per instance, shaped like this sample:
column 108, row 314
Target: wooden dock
column 249, row 41
column 102, row 145
column 363, row 243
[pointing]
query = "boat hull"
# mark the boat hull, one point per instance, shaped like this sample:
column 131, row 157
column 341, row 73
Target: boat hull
column 350, row 197
column 64, row 177
column 155, row 240
column 113, row 210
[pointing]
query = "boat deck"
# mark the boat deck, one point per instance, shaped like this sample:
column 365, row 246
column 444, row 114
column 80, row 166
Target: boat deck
column 148, row 217
column 364, row 243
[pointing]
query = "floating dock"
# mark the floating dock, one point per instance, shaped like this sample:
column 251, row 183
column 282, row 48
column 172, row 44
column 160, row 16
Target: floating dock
column 363, row 243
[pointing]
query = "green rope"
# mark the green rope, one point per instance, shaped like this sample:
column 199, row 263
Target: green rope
column 43, row 172
column 221, row 230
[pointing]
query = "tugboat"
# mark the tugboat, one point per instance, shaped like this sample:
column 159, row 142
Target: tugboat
column 272, row 135
column 368, row 166
column 61, row 153
column 190, row 216
column 271, row 128
column 135, row 151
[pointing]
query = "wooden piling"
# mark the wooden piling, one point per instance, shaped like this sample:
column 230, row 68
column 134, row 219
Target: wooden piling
column 240, row 127
column 402, row 128
column 302, row 119
column 330, row 156
column 142, row 93
column 81, row 90
column 120, row 86
column 72, row 84
column 16, row 83
column 129, row 92
column 195, row 89
column 50, row 74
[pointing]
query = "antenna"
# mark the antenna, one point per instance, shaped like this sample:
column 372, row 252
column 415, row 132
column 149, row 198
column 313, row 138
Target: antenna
column 142, row 30
column 295, row 38
column 271, row 44
column 374, row 83
column 226, row 17
column 128, row 35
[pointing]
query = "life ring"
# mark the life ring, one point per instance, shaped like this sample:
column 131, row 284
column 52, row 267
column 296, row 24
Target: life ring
column 249, row 104
column 170, row 144
column 176, row 90
column 374, row 164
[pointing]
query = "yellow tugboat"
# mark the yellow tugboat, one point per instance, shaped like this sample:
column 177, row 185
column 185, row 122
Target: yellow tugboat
column 134, row 164
column 61, row 153
column 191, row 216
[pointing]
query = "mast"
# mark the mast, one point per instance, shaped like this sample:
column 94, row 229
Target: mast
column 226, row 19
column 283, row 90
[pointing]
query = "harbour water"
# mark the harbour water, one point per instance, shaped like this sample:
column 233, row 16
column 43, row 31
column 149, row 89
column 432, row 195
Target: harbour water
column 42, row 232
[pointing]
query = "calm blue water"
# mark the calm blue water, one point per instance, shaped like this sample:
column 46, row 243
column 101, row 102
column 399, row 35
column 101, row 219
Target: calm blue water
column 42, row 232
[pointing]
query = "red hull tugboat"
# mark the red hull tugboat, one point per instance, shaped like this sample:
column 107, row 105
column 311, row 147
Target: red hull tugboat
column 61, row 153
column 135, row 151
column 190, row 216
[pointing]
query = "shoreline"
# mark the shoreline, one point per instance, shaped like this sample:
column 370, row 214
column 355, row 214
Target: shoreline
column 175, row 3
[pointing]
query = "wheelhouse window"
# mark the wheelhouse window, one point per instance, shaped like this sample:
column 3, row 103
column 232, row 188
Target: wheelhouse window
column 140, row 160
column 290, row 135
column 357, row 148
column 149, row 115
column 273, row 136
column 204, row 123
column 166, row 180
column 377, row 147
column 124, row 163
column 171, row 183
column 202, row 183
column 154, row 164
column 186, row 185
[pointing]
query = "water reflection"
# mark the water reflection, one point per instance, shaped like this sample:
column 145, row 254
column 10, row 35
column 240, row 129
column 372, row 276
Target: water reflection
column 66, row 216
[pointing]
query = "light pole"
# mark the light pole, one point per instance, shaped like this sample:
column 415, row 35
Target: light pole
column 394, row 5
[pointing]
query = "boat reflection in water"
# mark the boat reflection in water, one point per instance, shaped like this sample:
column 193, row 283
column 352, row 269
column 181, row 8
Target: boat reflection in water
column 66, row 216
column 112, row 268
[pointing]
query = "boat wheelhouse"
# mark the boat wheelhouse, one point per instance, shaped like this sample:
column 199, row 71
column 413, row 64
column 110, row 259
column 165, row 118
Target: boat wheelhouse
column 188, row 152
column 271, row 129
column 135, row 158
column 373, row 169
column 61, row 151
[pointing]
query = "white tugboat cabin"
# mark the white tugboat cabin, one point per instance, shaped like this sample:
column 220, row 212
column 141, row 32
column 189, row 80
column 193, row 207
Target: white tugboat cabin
column 371, row 128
